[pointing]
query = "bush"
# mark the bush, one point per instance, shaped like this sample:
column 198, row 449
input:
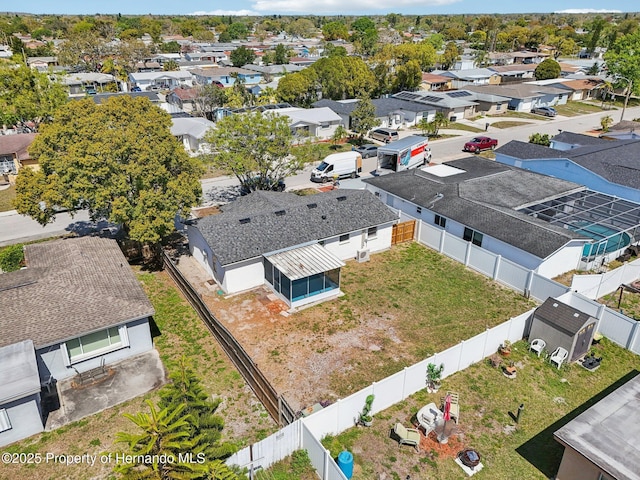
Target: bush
column 11, row 258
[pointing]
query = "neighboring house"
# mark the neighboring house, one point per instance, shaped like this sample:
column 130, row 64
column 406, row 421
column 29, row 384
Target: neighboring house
column 293, row 244
column 42, row 63
column 270, row 72
column 599, row 444
column 524, row 96
column 625, row 130
column 607, row 166
column 191, row 132
column 586, row 89
column 432, row 82
column 14, row 155
column 527, row 57
column 314, row 122
column 102, row 97
column 513, row 73
column 83, row 83
column 184, row 98
column 453, row 104
column 532, row 220
column 160, row 80
column 390, row 112
column 77, row 305
column 226, row 76
column 470, row 76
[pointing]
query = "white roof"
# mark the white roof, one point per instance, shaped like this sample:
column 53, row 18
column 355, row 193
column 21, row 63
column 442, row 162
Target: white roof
column 310, row 115
column 177, row 75
column 305, row 261
column 195, row 127
column 18, row 371
column 87, row 77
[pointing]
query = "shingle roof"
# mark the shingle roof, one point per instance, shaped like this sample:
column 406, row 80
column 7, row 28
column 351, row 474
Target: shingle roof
column 484, row 198
column 579, row 139
column 283, row 220
column 70, row 288
column 524, row 150
column 566, row 318
column 384, row 106
column 16, row 144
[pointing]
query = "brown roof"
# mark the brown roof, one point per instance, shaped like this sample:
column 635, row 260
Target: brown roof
column 185, row 93
column 433, row 78
column 70, row 288
column 586, row 84
column 16, row 145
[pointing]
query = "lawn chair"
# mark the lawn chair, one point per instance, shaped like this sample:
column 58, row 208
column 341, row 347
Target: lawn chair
column 454, row 410
column 537, row 346
column 406, row 436
column 558, row 356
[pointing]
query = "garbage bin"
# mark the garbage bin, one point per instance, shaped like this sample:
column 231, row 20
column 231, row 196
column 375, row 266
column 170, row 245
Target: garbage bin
column 453, row 118
column 345, row 463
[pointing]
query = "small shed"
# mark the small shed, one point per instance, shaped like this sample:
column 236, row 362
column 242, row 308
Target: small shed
column 561, row 325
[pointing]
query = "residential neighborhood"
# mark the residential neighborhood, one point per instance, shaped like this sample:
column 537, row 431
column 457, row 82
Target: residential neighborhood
column 383, row 245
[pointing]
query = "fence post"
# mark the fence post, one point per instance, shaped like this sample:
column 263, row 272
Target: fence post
column 486, row 339
column 404, row 382
column 460, row 355
column 443, row 235
column 633, row 337
column 467, row 254
column 527, row 288
column 496, row 267
column 325, row 467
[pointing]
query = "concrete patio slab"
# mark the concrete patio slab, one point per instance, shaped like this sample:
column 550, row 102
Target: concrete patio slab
column 127, row 379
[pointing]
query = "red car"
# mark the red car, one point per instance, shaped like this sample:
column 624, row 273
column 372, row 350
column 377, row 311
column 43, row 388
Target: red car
column 478, row 144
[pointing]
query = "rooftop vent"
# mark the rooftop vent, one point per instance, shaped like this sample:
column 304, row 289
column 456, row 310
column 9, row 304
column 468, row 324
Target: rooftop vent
column 555, row 304
column 312, row 205
column 280, row 213
column 245, row 220
column 576, row 314
column 341, row 198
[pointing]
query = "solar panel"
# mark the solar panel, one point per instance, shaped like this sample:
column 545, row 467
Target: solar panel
column 407, row 96
column 431, row 98
column 459, row 93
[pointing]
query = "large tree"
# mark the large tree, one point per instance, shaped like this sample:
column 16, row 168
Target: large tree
column 118, row 160
column 254, row 144
column 623, row 63
column 363, row 117
column 84, row 50
column 547, row 69
column 299, row 88
column 27, row 95
column 344, row 77
column 242, row 56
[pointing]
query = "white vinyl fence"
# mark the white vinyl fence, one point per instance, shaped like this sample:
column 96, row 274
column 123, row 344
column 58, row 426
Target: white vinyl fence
column 595, row 286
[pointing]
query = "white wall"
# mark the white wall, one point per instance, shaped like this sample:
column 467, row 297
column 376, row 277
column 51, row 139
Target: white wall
column 201, row 252
column 243, row 275
column 357, row 241
column 50, row 361
column 25, row 417
column 564, row 260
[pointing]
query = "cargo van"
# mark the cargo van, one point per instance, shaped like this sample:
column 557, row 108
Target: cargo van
column 340, row 165
column 410, row 152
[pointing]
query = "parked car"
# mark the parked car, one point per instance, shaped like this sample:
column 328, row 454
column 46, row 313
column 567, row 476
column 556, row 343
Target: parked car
column 368, row 150
column 546, row 111
column 477, row 144
column 262, row 183
column 385, row 135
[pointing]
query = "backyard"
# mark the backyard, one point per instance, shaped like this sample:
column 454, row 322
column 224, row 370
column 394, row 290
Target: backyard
column 402, row 306
column 488, row 399
column 177, row 331
column 7, row 195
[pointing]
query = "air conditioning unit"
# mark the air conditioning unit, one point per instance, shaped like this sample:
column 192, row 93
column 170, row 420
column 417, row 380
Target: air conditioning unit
column 363, row 255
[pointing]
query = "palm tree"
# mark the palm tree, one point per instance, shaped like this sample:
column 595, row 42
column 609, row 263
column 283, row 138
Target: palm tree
column 606, row 122
column 339, row 134
column 606, row 88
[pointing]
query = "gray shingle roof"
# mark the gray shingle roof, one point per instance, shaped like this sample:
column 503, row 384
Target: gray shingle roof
column 614, row 160
column 562, row 316
column 70, row 288
column 484, row 198
column 384, row 106
column 283, row 220
column 579, row 139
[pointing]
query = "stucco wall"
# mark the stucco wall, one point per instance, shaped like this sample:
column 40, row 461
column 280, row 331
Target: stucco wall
column 50, row 361
column 575, row 467
column 243, row 275
column 25, row 417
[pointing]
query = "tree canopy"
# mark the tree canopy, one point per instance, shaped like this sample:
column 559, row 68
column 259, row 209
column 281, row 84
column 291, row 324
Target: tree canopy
column 242, row 56
column 254, row 144
column 118, row 160
column 547, row 69
column 344, row 77
column 363, row 117
column 623, row 61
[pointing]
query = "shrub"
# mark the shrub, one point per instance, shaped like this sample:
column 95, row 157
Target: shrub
column 11, row 258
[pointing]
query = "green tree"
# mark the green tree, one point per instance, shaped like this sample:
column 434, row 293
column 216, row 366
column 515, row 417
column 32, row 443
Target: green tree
column 27, row 95
column 209, row 97
column 606, row 122
column 186, row 388
column 540, row 139
column 170, row 47
column 118, row 160
column 408, row 76
column 623, row 64
column 450, row 56
column 298, row 88
column 439, row 121
column 281, row 55
column 547, row 69
column 335, row 31
column 84, row 50
column 424, row 126
column 171, row 66
column 339, row 134
column 242, row 56
column 237, row 31
column 363, row 117
column 302, row 27
column 344, row 77
column 11, row 258
column 254, row 144
column 364, row 35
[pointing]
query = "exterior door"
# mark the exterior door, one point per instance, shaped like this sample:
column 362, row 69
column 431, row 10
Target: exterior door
column 583, row 342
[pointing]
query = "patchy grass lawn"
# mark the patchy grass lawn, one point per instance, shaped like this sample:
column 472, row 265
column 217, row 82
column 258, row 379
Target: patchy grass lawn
column 514, row 114
column 628, row 303
column 522, row 451
column 7, row 195
column 509, row 124
column 465, row 127
column 179, row 331
column 571, row 109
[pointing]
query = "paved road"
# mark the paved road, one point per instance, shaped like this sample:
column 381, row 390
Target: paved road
column 15, row 228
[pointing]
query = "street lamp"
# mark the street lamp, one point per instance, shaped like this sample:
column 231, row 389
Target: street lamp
column 628, row 94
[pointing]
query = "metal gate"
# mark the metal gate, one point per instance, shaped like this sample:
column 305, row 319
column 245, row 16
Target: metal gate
column 403, row 232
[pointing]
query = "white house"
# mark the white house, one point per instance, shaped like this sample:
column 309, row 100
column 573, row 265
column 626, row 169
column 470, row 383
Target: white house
column 497, row 208
column 160, row 80
column 76, row 306
column 315, row 122
column 295, row 245
column 191, row 131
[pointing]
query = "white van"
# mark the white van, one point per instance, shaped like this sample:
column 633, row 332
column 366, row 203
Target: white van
column 340, row 165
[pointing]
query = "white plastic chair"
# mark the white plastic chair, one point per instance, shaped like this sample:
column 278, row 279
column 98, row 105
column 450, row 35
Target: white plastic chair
column 537, row 346
column 558, row 356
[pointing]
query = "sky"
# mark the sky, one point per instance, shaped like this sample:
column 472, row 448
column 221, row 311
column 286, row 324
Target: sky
column 314, row 7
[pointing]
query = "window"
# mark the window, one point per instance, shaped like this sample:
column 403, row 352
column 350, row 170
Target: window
column 95, row 344
column 440, row 221
column 372, row 233
column 418, row 209
column 5, row 423
column 498, row 107
column 344, row 238
column 377, row 194
column 472, row 236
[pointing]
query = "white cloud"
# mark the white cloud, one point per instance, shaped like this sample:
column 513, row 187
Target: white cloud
column 339, row 6
column 239, row 13
column 588, row 10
